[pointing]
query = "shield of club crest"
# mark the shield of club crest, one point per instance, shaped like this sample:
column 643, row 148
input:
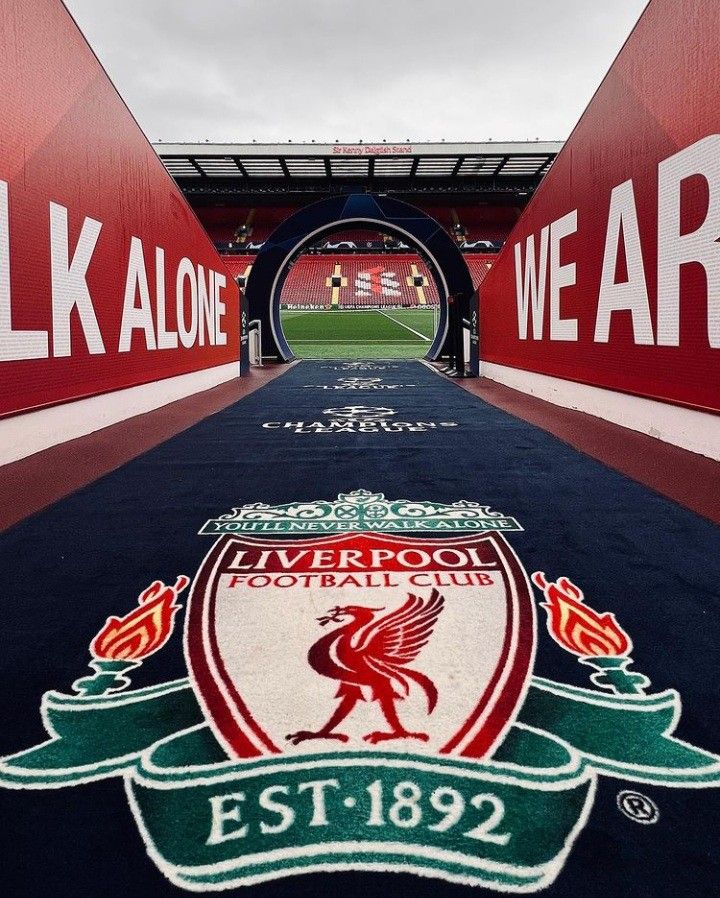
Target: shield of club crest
column 359, row 639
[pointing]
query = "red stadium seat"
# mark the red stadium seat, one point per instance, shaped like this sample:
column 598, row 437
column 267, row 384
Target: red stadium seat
column 366, row 281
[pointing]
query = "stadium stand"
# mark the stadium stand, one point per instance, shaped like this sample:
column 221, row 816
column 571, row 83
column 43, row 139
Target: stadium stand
column 305, row 287
column 241, row 228
column 358, row 282
column 360, row 236
column 479, row 266
column 366, row 281
column 239, row 266
column 491, row 223
column 240, row 225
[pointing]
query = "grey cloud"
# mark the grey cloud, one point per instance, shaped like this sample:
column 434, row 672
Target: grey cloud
column 420, row 69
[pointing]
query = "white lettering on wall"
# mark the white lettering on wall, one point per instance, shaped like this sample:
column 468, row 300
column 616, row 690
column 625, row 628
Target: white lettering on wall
column 14, row 344
column 69, row 282
column 676, row 249
column 200, row 306
column 530, row 290
column 136, row 317
column 165, row 339
column 206, row 301
column 220, row 283
column 186, row 270
column 561, row 276
column 630, row 295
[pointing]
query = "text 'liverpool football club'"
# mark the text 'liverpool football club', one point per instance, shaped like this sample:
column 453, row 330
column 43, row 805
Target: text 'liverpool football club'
column 363, row 567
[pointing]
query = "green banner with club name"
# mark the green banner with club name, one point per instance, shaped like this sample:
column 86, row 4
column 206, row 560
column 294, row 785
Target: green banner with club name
column 507, row 822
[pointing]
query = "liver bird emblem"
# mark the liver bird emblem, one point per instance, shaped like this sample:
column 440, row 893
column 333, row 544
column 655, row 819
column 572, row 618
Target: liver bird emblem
column 369, row 656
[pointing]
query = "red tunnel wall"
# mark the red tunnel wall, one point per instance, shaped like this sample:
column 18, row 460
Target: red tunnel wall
column 661, row 97
column 67, row 138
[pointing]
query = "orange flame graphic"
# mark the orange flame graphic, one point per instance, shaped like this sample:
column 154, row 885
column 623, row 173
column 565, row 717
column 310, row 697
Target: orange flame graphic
column 144, row 630
column 576, row 627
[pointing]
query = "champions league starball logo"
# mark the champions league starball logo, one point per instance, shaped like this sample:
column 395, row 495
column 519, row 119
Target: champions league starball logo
column 360, row 413
column 361, row 366
column 358, row 383
column 360, row 696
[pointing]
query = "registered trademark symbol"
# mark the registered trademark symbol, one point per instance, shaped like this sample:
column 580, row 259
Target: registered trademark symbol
column 638, row 807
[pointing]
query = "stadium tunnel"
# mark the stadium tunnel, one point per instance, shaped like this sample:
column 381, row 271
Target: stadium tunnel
column 413, row 226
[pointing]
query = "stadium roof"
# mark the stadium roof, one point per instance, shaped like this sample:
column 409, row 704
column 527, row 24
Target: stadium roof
column 461, row 167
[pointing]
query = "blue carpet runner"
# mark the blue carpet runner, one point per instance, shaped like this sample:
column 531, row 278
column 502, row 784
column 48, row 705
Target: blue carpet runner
column 602, row 787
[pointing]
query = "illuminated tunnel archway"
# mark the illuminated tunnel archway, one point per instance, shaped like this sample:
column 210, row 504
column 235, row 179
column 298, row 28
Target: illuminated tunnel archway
column 313, row 222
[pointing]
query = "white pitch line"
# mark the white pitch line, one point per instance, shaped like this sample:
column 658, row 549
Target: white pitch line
column 417, row 333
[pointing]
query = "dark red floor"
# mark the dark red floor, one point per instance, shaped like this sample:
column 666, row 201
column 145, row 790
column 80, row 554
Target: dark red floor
column 691, row 480
column 32, row 483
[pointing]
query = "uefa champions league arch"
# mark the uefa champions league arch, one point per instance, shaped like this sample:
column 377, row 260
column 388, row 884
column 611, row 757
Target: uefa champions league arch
column 386, row 214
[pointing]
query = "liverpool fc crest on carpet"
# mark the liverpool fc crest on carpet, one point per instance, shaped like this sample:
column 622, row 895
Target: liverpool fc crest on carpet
column 398, row 665
column 360, row 696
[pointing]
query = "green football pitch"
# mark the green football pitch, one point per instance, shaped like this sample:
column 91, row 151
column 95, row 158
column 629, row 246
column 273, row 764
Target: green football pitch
column 392, row 333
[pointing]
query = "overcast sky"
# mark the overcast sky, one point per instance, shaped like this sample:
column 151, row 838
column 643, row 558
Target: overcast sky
column 273, row 70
